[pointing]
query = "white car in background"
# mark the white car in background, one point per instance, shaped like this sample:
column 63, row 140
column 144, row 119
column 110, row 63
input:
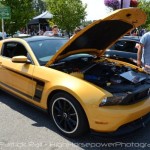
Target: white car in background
column 21, row 35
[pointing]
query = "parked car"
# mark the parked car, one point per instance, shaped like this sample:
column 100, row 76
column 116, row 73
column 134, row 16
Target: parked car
column 74, row 83
column 124, row 49
column 21, row 35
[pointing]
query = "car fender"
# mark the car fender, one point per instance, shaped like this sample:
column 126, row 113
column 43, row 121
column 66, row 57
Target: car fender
column 85, row 92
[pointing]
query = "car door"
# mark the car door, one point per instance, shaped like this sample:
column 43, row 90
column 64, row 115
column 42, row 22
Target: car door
column 16, row 77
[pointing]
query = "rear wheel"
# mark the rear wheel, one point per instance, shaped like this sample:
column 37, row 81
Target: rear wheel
column 68, row 115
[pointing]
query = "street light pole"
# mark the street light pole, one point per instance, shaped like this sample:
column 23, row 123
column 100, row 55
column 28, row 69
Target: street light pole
column 3, row 36
column 121, row 3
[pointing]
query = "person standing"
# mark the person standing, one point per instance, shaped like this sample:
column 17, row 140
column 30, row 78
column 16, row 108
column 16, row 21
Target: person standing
column 143, row 54
column 135, row 32
column 76, row 30
column 55, row 31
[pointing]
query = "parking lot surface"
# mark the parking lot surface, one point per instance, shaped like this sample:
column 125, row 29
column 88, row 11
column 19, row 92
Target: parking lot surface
column 27, row 128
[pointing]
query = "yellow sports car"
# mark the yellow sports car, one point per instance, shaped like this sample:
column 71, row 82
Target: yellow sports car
column 72, row 80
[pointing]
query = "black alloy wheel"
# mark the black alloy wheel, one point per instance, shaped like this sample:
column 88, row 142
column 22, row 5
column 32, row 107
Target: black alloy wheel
column 68, row 115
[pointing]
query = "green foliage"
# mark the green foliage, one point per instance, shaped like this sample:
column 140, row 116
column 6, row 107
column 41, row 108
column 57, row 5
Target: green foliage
column 145, row 5
column 39, row 6
column 21, row 12
column 67, row 14
column 86, row 23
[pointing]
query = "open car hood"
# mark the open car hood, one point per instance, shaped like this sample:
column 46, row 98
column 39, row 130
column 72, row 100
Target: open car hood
column 101, row 34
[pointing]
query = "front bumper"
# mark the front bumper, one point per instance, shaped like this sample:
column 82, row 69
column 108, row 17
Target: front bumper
column 127, row 128
column 111, row 118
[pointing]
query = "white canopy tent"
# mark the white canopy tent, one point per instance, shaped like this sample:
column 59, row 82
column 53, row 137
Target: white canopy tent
column 45, row 15
column 41, row 18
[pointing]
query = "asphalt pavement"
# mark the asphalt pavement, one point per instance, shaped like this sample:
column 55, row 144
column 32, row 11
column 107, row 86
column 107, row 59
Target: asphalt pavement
column 23, row 127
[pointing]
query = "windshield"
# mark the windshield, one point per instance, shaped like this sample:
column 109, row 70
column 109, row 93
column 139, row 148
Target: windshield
column 45, row 49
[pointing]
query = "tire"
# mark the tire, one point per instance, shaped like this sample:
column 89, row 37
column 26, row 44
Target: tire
column 68, row 115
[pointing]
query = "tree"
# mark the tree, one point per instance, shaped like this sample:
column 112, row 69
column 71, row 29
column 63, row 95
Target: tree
column 86, row 22
column 39, row 6
column 145, row 5
column 21, row 12
column 67, row 14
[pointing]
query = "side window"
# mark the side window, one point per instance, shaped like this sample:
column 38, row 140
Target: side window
column 19, row 50
column 126, row 46
column 130, row 47
column 11, row 49
column 119, row 45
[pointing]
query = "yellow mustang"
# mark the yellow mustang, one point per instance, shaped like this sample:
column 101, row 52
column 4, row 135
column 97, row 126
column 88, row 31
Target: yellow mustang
column 72, row 80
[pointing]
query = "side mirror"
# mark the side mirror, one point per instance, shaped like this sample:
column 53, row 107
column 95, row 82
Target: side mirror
column 20, row 59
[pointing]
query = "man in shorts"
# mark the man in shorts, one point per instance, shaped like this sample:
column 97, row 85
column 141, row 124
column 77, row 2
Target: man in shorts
column 143, row 55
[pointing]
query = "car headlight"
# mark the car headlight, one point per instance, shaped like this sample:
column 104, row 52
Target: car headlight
column 116, row 99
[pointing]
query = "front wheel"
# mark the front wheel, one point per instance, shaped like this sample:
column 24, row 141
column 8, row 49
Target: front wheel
column 68, row 115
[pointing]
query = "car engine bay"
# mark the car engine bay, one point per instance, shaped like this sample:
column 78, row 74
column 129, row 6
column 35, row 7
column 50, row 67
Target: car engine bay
column 111, row 76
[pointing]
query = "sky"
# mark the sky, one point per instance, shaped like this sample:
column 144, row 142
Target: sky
column 95, row 9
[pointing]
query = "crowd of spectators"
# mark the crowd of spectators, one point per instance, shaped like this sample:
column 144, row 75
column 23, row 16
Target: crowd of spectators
column 138, row 32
